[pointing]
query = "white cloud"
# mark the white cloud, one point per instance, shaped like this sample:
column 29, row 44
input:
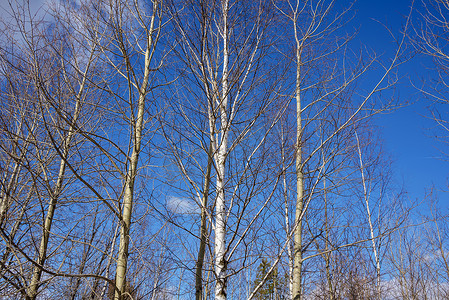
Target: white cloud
column 181, row 205
column 436, row 255
column 37, row 8
column 433, row 290
column 20, row 12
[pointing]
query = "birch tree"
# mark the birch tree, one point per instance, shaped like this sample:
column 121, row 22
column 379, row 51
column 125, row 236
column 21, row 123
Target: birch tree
column 224, row 110
column 158, row 138
column 122, row 38
column 430, row 38
column 63, row 152
column 128, row 37
column 320, row 96
column 37, row 59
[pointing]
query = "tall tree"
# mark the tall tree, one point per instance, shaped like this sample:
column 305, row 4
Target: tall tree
column 127, row 34
column 226, row 114
column 122, row 38
column 325, row 106
column 44, row 59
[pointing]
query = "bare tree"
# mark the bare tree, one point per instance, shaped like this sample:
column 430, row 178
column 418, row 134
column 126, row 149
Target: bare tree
column 225, row 112
column 120, row 182
column 44, row 62
column 91, row 33
column 127, row 35
column 431, row 39
column 319, row 98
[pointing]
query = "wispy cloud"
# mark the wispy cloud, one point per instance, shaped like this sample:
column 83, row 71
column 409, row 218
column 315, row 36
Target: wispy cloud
column 181, row 205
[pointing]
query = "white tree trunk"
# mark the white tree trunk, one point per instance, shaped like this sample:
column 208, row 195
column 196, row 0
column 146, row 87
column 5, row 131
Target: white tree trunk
column 369, row 217
column 220, row 158
column 297, row 246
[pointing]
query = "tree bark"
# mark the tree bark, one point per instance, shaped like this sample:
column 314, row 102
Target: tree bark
column 297, row 247
column 42, row 256
column 128, row 197
column 220, row 158
column 203, row 230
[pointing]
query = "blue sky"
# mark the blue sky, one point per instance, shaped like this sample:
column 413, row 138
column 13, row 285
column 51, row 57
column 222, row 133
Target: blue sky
column 407, row 132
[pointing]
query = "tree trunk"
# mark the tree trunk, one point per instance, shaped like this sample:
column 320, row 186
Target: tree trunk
column 125, row 222
column 220, row 157
column 368, row 215
column 42, row 256
column 203, row 230
column 128, row 197
column 297, row 248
